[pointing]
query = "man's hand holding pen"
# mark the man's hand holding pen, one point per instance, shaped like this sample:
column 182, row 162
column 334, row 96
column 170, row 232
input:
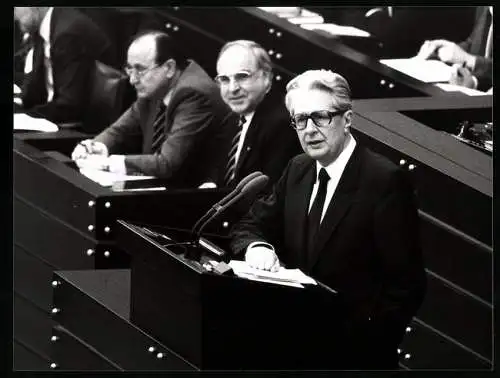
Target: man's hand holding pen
column 461, row 75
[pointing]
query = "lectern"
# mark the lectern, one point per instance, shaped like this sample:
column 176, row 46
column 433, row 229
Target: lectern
column 220, row 321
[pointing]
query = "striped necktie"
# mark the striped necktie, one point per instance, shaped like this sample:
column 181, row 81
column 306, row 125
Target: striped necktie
column 159, row 129
column 231, row 162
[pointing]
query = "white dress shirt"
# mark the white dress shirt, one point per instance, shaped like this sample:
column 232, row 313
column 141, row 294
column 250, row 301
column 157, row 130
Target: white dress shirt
column 334, row 170
column 45, row 34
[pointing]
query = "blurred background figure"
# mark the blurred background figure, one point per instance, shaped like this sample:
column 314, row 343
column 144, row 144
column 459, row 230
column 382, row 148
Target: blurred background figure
column 472, row 58
column 66, row 43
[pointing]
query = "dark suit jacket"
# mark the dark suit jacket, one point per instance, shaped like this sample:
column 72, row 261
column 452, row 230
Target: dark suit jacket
column 196, row 126
column 367, row 247
column 76, row 42
column 270, row 141
column 476, row 44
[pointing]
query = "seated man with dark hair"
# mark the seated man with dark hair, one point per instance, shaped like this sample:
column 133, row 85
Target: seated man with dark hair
column 176, row 127
column 66, row 44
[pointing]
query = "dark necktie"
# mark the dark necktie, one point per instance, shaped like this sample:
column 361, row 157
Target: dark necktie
column 231, row 162
column 39, row 64
column 159, row 129
column 314, row 218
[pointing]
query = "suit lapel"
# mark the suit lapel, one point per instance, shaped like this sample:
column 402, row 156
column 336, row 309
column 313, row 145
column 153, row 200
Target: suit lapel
column 297, row 212
column 339, row 204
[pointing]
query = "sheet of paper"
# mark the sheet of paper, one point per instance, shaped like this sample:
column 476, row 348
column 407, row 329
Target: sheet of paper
column 339, row 30
column 268, row 280
column 106, row 178
column 282, row 275
column 25, row 122
column 457, row 88
column 428, row 71
column 17, row 90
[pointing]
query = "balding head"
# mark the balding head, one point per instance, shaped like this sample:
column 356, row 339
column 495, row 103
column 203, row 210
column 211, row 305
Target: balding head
column 30, row 18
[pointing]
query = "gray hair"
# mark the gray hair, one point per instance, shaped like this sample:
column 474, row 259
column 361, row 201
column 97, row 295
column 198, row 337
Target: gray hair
column 324, row 80
column 263, row 61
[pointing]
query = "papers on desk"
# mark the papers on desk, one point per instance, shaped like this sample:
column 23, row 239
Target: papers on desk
column 26, row 122
column 105, row 178
column 287, row 277
column 428, row 71
column 458, row 88
column 337, row 30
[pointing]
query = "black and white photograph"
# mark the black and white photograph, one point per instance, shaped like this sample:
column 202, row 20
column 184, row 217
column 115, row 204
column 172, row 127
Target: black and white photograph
column 253, row 189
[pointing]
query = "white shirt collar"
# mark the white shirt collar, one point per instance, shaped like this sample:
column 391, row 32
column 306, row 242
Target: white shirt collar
column 248, row 118
column 45, row 25
column 336, row 167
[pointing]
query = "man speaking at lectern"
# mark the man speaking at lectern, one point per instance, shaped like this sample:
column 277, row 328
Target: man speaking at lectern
column 347, row 217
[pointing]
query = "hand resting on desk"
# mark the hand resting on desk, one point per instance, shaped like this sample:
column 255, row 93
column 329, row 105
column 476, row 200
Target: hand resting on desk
column 87, row 148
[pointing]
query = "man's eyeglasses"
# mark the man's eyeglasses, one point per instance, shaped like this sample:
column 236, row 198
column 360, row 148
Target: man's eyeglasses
column 137, row 70
column 239, row 78
column 321, row 118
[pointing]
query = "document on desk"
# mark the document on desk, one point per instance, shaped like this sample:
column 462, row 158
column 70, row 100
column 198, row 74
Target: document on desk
column 25, row 122
column 337, row 30
column 458, row 88
column 17, row 90
column 428, row 71
column 287, row 277
column 106, row 178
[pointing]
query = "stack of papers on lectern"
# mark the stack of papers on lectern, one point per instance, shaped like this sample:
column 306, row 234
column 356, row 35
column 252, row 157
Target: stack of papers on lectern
column 26, row 122
column 287, row 277
column 458, row 88
column 428, row 71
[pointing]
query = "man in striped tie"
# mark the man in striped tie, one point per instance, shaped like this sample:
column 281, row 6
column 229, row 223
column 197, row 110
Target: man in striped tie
column 472, row 59
column 263, row 140
column 175, row 128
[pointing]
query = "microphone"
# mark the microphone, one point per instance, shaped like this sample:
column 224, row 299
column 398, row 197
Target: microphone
column 251, row 189
column 226, row 199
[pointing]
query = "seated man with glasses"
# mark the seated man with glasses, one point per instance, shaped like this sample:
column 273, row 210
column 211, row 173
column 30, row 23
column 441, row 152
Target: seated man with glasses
column 175, row 128
column 347, row 217
column 263, row 140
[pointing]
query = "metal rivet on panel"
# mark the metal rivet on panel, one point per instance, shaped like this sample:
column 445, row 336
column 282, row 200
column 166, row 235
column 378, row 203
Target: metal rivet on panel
column 399, row 351
column 278, row 56
column 107, row 205
column 90, row 227
column 168, row 26
column 176, row 8
column 278, row 78
column 411, row 167
column 382, row 82
column 91, row 203
column 159, row 355
column 55, row 310
column 176, row 28
column 106, row 253
column 391, row 85
column 407, row 356
column 402, row 162
column 225, row 224
column 151, row 349
column 55, row 283
column 107, row 229
column 90, row 252
column 54, row 338
column 271, row 31
column 53, row 365
column 270, row 52
column 278, row 34
column 408, row 329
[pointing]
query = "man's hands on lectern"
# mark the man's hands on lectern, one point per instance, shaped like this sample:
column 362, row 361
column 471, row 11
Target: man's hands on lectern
column 261, row 257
